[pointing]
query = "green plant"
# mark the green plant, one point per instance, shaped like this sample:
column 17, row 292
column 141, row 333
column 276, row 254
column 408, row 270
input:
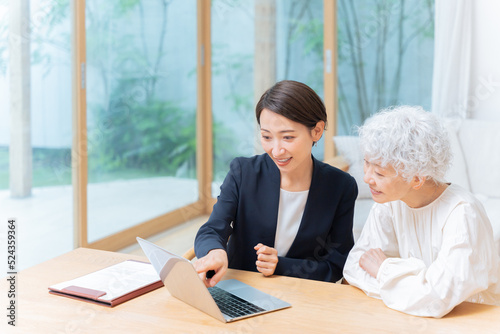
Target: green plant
column 51, row 166
column 149, row 132
column 158, row 137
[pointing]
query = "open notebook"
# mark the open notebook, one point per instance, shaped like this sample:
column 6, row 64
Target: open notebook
column 112, row 285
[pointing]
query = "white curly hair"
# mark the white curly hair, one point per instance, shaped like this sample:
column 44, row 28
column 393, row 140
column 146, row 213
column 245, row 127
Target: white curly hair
column 410, row 139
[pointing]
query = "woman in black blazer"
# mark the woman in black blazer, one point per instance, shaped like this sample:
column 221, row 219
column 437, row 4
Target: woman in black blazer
column 286, row 212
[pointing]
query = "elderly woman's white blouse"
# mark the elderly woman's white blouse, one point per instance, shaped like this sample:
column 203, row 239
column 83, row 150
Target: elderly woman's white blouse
column 439, row 255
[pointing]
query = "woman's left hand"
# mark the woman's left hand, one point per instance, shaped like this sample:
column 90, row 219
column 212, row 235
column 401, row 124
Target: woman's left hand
column 267, row 259
column 371, row 261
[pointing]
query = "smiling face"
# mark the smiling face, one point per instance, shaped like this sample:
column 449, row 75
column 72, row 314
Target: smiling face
column 386, row 184
column 287, row 142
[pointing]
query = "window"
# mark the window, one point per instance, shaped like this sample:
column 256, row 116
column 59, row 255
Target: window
column 35, row 133
column 141, row 111
column 385, row 56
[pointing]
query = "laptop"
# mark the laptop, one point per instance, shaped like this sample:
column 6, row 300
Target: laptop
column 228, row 301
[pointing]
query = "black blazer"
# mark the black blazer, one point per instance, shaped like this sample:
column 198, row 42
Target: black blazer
column 247, row 210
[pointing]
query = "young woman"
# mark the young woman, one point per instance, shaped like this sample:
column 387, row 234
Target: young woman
column 286, row 212
column 427, row 245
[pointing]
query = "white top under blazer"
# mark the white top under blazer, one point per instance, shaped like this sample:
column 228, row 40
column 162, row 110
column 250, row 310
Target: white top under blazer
column 290, row 211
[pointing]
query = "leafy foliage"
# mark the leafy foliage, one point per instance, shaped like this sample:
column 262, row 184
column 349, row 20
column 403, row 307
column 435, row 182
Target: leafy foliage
column 156, row 136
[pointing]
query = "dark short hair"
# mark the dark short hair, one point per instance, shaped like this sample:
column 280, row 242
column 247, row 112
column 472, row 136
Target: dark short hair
column 293, row 100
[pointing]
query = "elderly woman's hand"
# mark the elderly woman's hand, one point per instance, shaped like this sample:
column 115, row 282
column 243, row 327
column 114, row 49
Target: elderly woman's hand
column 371, row 261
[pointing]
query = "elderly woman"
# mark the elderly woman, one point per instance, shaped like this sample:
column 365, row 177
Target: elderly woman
column 427, row 245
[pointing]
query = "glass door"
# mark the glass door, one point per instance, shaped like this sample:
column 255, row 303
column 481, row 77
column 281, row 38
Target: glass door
column 141, row 111
column 36, row 128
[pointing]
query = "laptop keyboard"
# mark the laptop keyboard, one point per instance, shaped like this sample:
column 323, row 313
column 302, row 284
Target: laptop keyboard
column 232, row 305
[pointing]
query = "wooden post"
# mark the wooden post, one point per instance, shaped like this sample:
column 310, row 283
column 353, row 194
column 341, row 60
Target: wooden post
column 330, row 75
column 204, row 142
column 79, row 156
column 20, row 151
column 265, row 52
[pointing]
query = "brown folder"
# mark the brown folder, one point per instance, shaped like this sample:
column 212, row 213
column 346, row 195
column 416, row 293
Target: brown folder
column 112, row 285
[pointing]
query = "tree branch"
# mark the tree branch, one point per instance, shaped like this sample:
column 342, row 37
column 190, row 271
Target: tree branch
column 163, row 32
column 353, row 56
